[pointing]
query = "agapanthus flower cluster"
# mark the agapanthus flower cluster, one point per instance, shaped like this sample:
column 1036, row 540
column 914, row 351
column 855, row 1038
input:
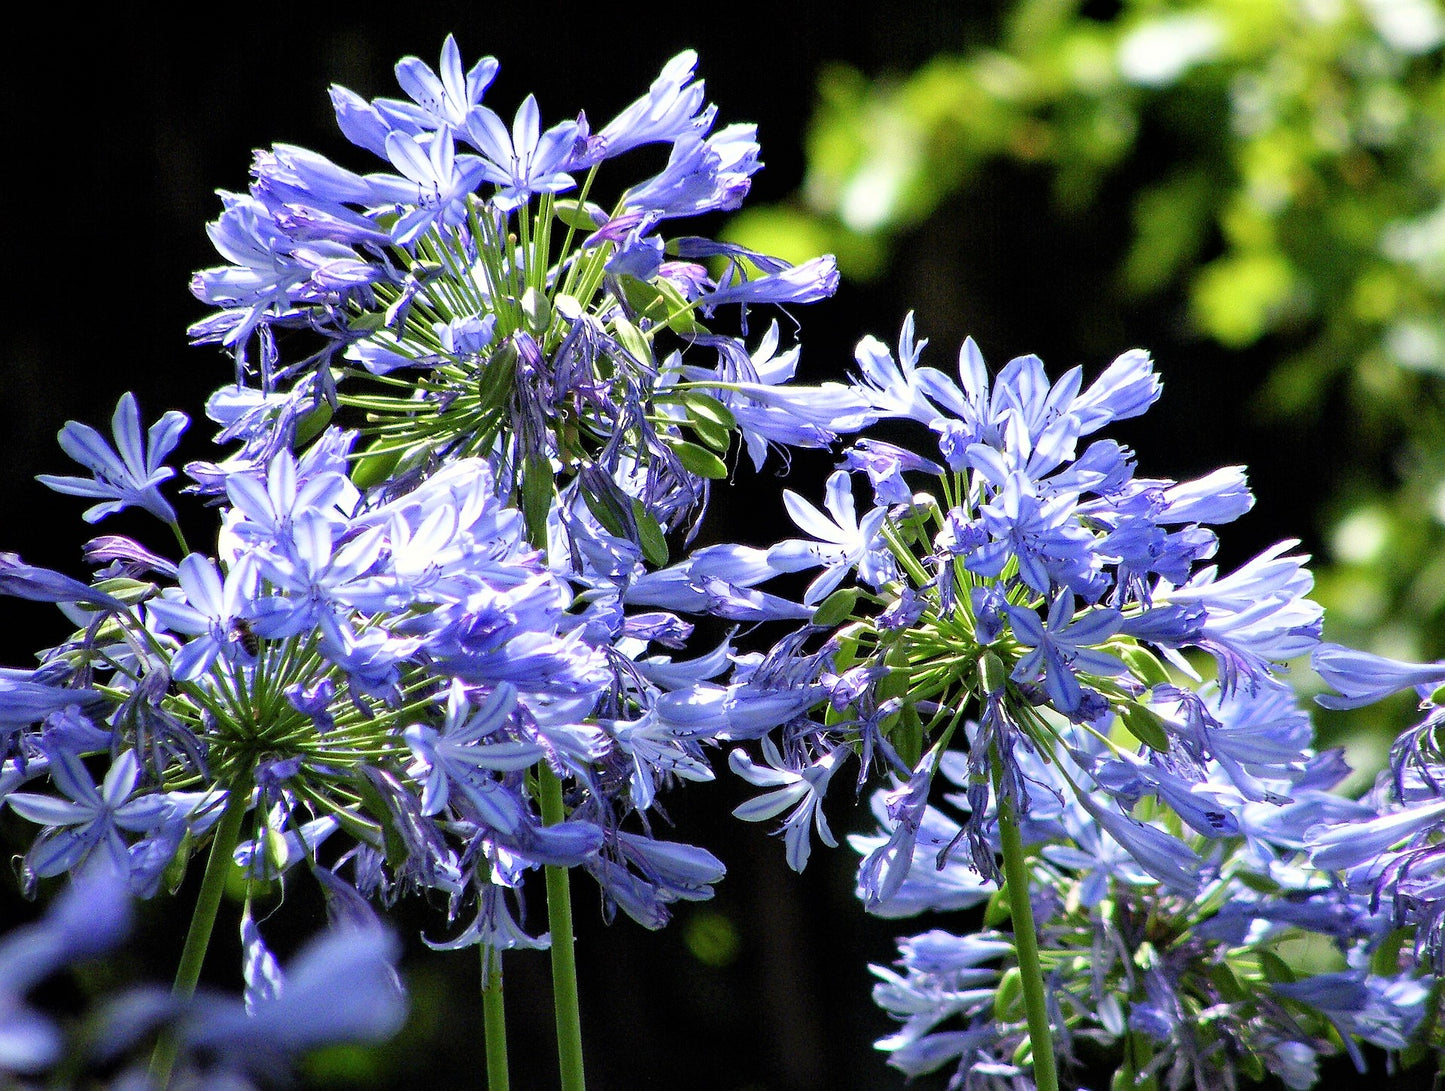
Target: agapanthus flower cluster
column 1392, row 848
column 440, row 638
column 1186, row 984
column 1019, row 608
column 1037, row 581
column 472, row 297
column 434, row 650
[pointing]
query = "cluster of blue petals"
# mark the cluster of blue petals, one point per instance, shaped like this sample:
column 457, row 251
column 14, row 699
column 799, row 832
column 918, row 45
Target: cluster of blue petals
column 444, row 634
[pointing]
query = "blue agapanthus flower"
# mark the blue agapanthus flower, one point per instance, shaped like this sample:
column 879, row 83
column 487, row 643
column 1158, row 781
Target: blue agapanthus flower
column 1018, row 571
column 128, row 474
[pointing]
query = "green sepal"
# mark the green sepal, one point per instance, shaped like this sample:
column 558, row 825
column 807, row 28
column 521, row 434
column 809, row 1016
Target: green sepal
column 903, row 729
column 379, row 835
column 699, row 460
column 1222, row 977
column 1426, row 1039
column 606, row 511
column 381, row 832
column 706, row 407
column 1145, row 725
column 313, row 422
column 1024, row 1052
column 847, row 640
column 1143, row 664
column 836, row 608
column 1251, row 1065
column 537, row 491
column 1146, row 956
column 991, row 674
column 998, row 911
column 649, row 535
column 579, row 215
column 275, row 850
column 632, row 340
column 1010, row 991
column 536, row 312
column 660, row 303
column 373, row 469
column 129, row 591
column 1257, row 882
column 1276, row 970
column 175, row 871
column 369, row 322
column 711, row 433
column 1385, row 960
column 494, row 379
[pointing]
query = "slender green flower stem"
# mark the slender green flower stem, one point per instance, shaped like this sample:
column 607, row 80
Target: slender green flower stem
column 494, row 1019
column 1026, row 937
column 564, row 958
column 203, row 920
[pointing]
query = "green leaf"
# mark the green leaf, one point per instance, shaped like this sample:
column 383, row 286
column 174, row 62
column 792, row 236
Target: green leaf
column 836, row 608
column 1145, row 725
column 650, row 536
column 699, row 460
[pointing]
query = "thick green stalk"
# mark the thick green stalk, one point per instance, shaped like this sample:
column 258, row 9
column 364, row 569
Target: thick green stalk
column 1026, row 937
column 203, row 921
column 494, row 1019
column 564, row 957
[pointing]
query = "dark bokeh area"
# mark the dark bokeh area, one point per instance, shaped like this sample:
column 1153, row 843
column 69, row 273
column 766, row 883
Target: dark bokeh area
column 122, row 124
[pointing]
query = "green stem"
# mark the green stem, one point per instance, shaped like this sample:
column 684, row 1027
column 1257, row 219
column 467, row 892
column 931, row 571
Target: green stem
column 1026, row 937
column 494, row 1019
column 203, row 920
column 564, row 957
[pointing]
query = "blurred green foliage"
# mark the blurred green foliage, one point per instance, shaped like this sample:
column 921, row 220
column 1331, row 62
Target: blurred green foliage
column 1284, row 164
